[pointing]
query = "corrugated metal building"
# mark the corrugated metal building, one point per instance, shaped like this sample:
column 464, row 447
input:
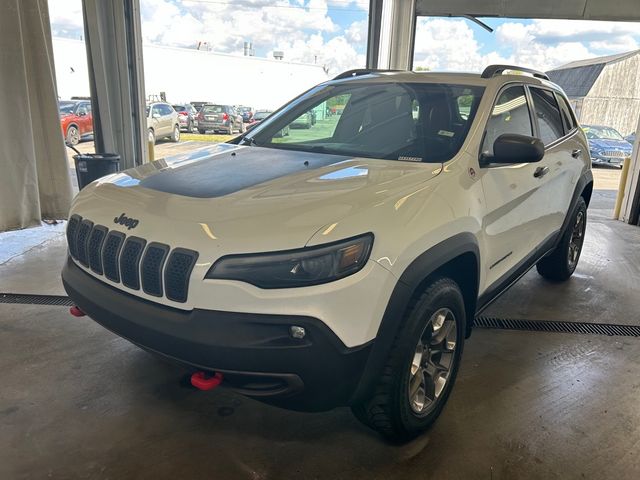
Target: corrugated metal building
column 604, row 90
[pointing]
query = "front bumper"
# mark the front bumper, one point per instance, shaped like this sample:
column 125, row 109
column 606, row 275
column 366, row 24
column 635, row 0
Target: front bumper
column 605, row 160
column 254, row 351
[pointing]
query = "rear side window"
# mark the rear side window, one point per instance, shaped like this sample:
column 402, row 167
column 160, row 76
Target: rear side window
column 179, row 108
column 565, row 111
column 547, row 115
column 510, row 114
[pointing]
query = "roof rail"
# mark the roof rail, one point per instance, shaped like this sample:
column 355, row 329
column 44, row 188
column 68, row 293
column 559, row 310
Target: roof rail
column 493, row 70
column 362, row 71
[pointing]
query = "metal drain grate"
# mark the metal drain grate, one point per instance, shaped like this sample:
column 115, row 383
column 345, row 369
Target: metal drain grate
column 555, row 326
column 60, row 300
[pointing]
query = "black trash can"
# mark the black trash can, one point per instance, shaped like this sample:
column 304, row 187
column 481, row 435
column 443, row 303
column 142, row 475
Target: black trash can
column 91, row 166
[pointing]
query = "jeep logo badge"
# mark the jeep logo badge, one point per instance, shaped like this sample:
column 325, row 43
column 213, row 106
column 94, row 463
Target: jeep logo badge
column 126, row 221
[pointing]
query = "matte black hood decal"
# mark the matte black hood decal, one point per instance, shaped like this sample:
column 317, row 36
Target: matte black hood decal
column 233, row 170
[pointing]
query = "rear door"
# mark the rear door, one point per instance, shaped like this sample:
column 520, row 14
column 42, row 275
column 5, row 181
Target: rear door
column 517, row 199
column 83, row 119
column 563, row 153
column 167, row 118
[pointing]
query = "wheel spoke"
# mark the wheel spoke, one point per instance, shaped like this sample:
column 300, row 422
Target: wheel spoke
column 433, row 360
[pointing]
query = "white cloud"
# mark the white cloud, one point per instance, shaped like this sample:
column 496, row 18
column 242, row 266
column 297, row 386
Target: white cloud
column 447, row 44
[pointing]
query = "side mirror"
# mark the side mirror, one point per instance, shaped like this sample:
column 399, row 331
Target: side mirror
column 515, row 148
column 82, row 114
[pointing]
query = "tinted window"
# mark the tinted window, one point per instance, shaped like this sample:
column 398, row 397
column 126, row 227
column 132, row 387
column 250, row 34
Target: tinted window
column 567, row 117
column 510, row 114
column 166, row 109
column 209, row 109
column 66, row 107
column 417, row 122
column 179, row 108
column 547, row 115
column 261, row 115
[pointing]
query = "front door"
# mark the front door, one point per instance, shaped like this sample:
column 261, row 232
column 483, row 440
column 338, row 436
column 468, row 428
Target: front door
column 517, row 200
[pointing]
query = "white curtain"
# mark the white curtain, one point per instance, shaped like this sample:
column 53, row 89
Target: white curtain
column 34, row 175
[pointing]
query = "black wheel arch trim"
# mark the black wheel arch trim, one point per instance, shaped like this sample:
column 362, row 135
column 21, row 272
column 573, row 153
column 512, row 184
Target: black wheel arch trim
column 424, row 266
column 584, row 184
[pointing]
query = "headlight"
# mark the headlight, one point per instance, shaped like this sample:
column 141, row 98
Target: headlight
column 296, row 268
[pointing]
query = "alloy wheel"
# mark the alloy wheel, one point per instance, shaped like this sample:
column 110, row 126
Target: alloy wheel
column 577, row 239
column 433, row 361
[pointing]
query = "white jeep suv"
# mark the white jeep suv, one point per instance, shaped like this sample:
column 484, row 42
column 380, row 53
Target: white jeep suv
column 342, row 264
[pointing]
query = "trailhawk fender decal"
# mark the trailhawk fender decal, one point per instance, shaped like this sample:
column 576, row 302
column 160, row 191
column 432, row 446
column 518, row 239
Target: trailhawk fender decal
column 423, row 266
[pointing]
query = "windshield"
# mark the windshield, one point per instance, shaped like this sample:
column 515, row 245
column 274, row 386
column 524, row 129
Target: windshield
column 605, row 133
column 419, row 122
column 212, row 109
column 66, row 107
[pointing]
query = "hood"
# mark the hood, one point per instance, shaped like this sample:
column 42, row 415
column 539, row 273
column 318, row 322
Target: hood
column 246, row 199
column 601, row 143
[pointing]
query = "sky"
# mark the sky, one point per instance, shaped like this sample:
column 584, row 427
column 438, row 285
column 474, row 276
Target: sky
column 333, row 33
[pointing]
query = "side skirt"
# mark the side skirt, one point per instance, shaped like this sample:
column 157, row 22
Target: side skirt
column 516, row 273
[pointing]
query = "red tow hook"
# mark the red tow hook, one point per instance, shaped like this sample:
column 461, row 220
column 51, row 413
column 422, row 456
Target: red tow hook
column 205, row 381
column 76, row 312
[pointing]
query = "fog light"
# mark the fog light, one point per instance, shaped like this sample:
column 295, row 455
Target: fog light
column 297, row 332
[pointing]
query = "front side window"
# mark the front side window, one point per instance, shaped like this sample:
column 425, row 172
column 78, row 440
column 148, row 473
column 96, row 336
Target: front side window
column 510, row 114
column 419, row 122
column 547, row 115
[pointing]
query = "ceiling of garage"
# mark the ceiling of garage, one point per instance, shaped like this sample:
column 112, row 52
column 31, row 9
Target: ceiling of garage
column 619, row 10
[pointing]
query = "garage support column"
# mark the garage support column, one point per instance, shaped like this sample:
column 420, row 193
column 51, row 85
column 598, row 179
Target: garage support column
column 392, row 25
column 114, row 55
column 631, row 201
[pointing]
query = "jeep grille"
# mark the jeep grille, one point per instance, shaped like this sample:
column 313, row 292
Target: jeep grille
column 155, row 268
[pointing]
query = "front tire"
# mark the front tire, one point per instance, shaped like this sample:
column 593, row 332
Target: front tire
column 73, row 135
column 560, row 264
column 422, row 365
column 202, row 131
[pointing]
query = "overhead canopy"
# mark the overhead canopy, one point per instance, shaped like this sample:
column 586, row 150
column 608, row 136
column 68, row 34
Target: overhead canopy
column 618, row 10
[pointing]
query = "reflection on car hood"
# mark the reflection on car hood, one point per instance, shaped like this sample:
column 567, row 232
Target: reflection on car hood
column 600, row 143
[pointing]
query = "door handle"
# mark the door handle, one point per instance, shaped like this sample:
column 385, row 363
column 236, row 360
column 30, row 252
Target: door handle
column 541, row 172
column 576, row 153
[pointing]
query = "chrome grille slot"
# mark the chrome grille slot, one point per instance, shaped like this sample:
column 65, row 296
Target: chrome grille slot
column 177, row 274
column 110, row 254
column 82, row 238
column 96, row 240
column 72, row 232
column 151, row 269
column 130, row 262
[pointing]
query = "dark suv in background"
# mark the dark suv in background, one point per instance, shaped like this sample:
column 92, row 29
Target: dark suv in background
column 220, row 118
column 186, row 116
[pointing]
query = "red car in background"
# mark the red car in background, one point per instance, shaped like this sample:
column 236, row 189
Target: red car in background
column 76, row 120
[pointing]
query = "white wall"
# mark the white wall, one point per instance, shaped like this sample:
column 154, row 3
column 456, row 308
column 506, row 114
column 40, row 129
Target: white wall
column 192, row 75
column 614, row 99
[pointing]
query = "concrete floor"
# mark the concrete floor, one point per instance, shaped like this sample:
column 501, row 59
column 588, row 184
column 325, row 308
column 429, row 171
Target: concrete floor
column 79, row 402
